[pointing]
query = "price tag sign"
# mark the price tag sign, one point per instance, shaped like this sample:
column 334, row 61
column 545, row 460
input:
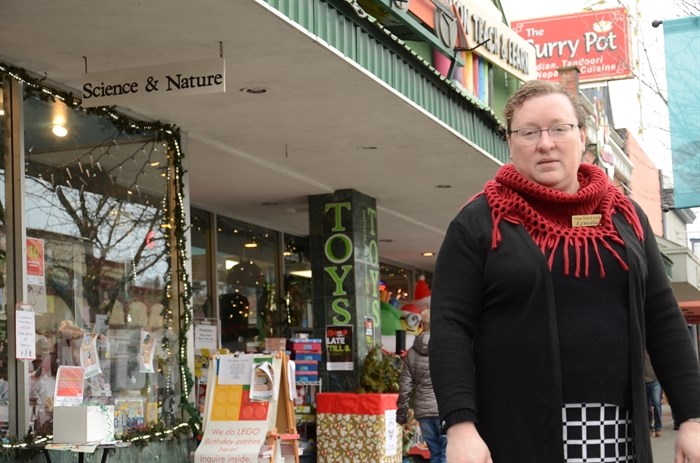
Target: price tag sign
column 25, row 332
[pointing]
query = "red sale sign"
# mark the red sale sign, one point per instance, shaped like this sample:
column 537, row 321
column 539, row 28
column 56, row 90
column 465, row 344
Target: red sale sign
column 597, row 42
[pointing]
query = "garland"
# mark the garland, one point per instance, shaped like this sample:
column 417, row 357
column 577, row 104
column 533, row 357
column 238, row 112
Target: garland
column 173, row 219
column 29, row 448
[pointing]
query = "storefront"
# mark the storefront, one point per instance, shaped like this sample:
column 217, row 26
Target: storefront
column 121, row 231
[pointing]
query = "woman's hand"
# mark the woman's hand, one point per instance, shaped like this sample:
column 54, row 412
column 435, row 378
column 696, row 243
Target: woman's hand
column 687, row 443
column 464, row 445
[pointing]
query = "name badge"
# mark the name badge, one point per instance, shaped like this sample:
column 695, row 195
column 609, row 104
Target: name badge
column 588, row 220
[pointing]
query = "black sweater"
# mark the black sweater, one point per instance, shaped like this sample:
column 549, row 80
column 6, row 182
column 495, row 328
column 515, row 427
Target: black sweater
column 494, row 346
column 592, row 321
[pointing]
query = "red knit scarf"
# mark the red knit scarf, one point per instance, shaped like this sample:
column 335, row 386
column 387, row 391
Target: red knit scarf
column 546, row 215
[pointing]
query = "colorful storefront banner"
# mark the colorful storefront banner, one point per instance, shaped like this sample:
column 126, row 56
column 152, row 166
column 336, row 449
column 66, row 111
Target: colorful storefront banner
column 682, row 47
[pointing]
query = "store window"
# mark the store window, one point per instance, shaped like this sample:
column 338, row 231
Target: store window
column 97, row 265
column 200, row 232
column 246, row 266
column 395, row 283
column 298, row 313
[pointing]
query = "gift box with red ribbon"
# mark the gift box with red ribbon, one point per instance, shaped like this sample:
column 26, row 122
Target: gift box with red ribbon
column 357, row 427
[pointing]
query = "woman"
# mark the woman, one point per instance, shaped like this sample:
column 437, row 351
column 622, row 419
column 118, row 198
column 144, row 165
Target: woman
column 547, row 289
column 416, row 389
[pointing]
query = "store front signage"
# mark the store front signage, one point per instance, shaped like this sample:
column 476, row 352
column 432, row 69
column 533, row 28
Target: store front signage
column 596, row 42
column 338, row 250
column 691, row 311
column 349, row 269
column 462, row 25
column 175, row 79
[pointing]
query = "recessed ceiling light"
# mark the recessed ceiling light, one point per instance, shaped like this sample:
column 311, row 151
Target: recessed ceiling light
column 443, row 186
column 367, row 147
column 254, row 90
column 270, row 203
column 59, row 130
column 427, row 254
column 386, row 240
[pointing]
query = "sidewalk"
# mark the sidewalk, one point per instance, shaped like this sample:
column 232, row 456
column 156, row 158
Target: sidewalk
column 663, row 447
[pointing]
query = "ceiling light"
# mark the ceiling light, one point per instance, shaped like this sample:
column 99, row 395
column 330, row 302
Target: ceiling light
column 427, row 254
column 443, row 186
column 251, row 244
column 59, row 130
column 301, row 273
column 254, row 90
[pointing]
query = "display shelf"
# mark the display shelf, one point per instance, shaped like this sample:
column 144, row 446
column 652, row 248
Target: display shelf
column 309, row 383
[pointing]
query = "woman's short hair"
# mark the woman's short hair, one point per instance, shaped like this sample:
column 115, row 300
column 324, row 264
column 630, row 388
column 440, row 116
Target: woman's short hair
column 535, row 88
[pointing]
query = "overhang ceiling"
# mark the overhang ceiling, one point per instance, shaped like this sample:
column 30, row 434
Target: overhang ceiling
column 324, row 124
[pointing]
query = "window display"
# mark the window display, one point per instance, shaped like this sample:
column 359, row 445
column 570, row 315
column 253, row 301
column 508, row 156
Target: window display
column 246, row 275
column 97, row 265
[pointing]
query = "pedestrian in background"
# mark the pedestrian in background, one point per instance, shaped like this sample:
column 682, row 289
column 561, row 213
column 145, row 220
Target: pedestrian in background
column 653, row 397
column 548, row 287
column 416, row 392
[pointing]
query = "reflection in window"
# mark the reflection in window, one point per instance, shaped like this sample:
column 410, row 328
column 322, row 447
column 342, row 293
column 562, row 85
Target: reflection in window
column 96, row 264
column 395, row 282
column 246, row 274
column 201, row 253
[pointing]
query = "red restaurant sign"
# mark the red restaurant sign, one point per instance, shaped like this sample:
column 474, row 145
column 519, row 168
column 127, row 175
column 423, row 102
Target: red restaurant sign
column 597, row 42
column 691, row 311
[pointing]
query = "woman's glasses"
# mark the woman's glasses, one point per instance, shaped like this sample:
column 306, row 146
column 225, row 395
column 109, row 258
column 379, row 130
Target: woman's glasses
column 559, row 132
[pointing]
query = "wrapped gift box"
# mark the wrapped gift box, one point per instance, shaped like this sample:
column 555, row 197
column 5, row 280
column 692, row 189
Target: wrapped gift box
column 79, row 424
column 357, row 427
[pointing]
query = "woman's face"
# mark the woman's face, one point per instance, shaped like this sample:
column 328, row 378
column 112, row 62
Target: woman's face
column 553, row 164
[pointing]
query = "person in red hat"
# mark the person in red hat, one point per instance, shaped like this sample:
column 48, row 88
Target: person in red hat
column 421, row 296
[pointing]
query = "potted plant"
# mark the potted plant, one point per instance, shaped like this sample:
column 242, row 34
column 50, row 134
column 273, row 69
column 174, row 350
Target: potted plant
column 380, row 372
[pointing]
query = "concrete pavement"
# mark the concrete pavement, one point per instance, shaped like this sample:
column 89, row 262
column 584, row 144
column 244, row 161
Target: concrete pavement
column 663, row 447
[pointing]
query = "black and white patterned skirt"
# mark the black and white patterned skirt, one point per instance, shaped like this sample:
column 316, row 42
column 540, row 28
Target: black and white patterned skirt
column 597, row 433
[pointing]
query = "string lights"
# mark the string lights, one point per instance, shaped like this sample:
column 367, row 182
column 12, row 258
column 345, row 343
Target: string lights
column 146, row 163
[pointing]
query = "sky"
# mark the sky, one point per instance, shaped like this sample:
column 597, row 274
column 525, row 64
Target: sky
column 648, row 120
